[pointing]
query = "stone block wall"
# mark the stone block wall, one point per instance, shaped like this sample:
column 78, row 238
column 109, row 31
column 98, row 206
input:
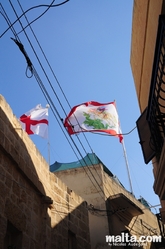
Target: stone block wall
column 144, row 32
column 37, row 210
column 104, row 217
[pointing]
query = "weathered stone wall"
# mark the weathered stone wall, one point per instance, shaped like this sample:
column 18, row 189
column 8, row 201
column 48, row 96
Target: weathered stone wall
column 112, row 221
column 144, row 32
column 88, row 183
column 139, row 225
column 37, row 210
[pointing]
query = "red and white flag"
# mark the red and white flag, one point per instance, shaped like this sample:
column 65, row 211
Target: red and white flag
column 95, row 117
column 35, row 121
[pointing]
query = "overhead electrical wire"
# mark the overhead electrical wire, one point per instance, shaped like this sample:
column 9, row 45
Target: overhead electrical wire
column 34, row 7
column 88, row 176
column 46, row 95
column 40, row 84
column 63, row 95
column 94, row 177
column 43, row 90
column 45, row 74
column 39, row 81
column 49, row 6
column 49, row 65
column 7, row 20
column 123, row 134
column 50, row 68
column 57, row 97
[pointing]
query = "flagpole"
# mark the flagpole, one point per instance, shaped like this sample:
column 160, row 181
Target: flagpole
column 127, row 165
column 126, row 160
column 48, row 152
column 47, row 106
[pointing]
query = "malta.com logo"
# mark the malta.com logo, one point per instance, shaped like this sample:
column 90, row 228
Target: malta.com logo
column 125, row 239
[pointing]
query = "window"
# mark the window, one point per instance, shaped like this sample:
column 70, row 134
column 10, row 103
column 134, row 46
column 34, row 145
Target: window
column 13, row 238
column 72, row 243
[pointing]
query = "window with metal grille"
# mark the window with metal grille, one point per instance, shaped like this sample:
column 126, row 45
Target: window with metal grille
column 156, row 104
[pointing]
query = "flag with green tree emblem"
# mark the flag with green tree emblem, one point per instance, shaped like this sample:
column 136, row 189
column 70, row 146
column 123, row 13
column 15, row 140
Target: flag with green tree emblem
column 94, row 117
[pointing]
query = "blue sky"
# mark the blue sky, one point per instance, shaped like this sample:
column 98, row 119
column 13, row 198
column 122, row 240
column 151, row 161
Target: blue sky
column 88, row 45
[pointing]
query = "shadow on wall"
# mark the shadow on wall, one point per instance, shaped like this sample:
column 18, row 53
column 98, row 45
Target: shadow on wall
column 72, row 232
column 28, row 217
column 23, row 213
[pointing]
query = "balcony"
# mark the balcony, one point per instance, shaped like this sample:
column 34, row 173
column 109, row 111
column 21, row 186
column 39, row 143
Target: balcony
column 159, row 184
column 156, row 104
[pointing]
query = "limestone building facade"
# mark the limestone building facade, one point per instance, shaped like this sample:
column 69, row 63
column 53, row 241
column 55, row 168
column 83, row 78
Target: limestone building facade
column 62, row 210
column 112, row 209
column 37, row 210
column 148, row 68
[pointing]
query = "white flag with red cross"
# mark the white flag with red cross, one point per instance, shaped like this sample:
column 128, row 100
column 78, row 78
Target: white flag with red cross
column 35, row 121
